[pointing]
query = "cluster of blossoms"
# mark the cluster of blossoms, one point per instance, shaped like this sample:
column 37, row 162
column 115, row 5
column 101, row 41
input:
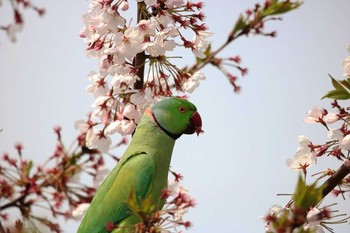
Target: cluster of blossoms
column 126, row 52
column 338, row 144
column 223, row 63
column 18, row 21
column 311, row 218
column 54, row 185
column 178, row 201
column 313, row 221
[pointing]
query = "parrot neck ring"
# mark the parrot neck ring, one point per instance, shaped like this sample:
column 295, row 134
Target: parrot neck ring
column 170, row 134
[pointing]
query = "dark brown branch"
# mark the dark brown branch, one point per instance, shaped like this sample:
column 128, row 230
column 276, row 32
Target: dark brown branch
column 2, row 230
column 336, row 178
column 139, row 60
column 13, row 203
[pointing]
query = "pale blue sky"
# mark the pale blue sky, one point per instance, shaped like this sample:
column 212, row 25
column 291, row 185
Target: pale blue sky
column 236, row 168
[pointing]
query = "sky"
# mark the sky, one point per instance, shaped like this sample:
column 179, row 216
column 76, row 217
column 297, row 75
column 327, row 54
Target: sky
column 237, row 167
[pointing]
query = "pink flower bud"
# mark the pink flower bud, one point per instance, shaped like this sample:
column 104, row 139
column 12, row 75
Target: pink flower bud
column 124, row 6
column 331, row 118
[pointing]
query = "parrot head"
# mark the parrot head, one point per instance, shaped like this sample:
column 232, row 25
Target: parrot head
column 177, row 116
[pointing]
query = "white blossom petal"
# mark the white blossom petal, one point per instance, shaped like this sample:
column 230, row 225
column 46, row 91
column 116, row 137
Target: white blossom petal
column 81, row 125
column 313, row 115
column 335, row 134
column 331, row 118
column 313, row 217
column 94, row 140
column 102, row 173
column 345, row 143
column 193, row 82
column 79, row 212
column 346, row 66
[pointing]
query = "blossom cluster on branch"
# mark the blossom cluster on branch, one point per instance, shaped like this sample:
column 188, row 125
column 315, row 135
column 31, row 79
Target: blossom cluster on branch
column 18, row 7
column 52, row 186
column 135, row 68
column 121, row 89
column 310, row 217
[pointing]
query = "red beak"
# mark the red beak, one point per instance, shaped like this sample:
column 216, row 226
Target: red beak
column 195, row 124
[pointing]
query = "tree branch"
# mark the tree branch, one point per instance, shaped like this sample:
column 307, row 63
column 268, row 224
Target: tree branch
column 336, row 178
column 2, row 230
column 139, row 60
column 13, row 203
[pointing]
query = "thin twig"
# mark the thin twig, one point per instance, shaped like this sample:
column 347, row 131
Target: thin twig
column 198, row 66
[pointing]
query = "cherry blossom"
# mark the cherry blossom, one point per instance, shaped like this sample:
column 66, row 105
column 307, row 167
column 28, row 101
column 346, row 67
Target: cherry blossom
column 301, row 162
column 147, row 27
column 164, row 19
column 159, row 46
column 82, row 126
column 96, row 139
column 174, row 3
column 123, row 127
column 314, row 115
column 98, row 85
column 304, row 156
column 346, row 66
column 132, row 113
column 345, row 142
column 178, row 201
column 124, row 6
column 276, row 210
column 12, row 29
column 337, row 134
column 79, row 212
column 193, row 82
column 313, row 217
column 201, row 43
column 331, row 118
column 128, row 44
column 148, row 2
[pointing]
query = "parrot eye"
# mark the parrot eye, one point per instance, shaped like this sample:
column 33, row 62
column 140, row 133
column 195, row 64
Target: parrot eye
column 182, row 109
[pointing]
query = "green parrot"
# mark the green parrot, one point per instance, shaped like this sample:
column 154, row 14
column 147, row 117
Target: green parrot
column 144, row 167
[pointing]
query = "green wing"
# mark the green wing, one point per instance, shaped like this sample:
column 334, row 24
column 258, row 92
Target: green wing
column 134, row 174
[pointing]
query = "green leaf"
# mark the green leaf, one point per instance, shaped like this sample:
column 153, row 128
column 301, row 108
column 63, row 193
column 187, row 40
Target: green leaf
column 306, row 196
column 346, row 83
column 29, row 167
column 240, row 25
column 336, row 84
column 277, row 8
column 342, row 89
column 337, row 95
